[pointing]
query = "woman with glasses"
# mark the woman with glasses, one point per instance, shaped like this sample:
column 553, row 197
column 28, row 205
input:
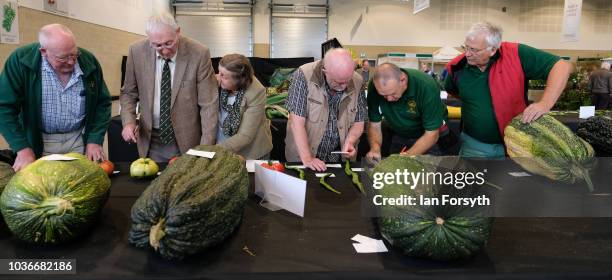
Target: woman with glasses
column 243, row 126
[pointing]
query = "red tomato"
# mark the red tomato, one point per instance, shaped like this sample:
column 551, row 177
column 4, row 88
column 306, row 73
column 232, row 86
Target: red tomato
column 267, row 166
column 107, row 166
column 278, row 167
column 274, row 166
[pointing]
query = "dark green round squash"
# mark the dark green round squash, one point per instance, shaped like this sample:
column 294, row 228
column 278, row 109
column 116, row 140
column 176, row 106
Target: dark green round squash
column 51, row 202
column 194, row 204
column 434, row 232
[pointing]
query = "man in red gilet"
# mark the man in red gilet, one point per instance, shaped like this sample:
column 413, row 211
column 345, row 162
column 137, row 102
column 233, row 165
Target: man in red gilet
column 490, row 78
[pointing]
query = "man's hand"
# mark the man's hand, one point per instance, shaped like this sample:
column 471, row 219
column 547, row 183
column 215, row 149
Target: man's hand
column 349, row 150
column 24, row 157
column 314, row 164
column 94, row 152
column 130, row 133
column 373, row 157
column 534, row 112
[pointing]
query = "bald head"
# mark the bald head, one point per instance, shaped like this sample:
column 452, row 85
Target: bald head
column 58, row 46
column 390, row 81
column 54, row 35
column 338, row 66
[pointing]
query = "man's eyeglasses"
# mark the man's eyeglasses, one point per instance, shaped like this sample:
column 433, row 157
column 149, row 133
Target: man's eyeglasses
column 66, row 58
column 166, row 45
column 471, row 50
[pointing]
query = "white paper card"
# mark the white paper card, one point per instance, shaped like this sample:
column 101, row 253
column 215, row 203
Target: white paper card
column 319, row 175
column 362, row 239
column 519, row 174
column 56, row 157
column 443, row 94
column 357, row 169
column 296, row 166
column 374, row 247
column 116, row 172
column 368, row 245
column 334, row 165
column 250, row 164
column 586, row 112
column 281, row 190
column 201, row 153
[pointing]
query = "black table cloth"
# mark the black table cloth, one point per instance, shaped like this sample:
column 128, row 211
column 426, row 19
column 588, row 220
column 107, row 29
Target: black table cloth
column 318, row 246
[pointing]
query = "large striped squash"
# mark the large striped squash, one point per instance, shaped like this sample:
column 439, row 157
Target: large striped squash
column 194, row 204
column 51, row 202
column 549, row 148
column 438, row 232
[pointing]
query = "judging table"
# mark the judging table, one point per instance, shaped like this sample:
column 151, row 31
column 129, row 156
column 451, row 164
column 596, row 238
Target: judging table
column 318, row 246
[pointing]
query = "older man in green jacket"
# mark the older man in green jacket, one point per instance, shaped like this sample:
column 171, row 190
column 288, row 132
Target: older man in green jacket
column 53, row 99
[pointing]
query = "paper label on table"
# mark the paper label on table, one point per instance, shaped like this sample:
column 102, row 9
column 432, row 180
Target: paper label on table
column 334, row 165
column 519, row 174
column 319, row 175
column 586, row 112
column 116, row 172
column 374, row 247
column 357, row 169
column 201, row 153
column 362, row 239
column 281, row 190
column 56, row 157
column 443, row 94
column 296, row 166
column 368, row 245
column 250, row 164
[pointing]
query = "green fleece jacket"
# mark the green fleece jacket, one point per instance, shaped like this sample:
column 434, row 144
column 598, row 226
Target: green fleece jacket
column 21, row 98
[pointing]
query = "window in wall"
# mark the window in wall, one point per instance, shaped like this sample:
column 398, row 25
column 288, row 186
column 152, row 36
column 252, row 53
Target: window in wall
column 298, row 28
column 461, row 14
column 540, row 15
column 223, row 27
column 603, row 16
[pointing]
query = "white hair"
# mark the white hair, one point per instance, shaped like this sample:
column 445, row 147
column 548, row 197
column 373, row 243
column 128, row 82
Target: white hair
column 161, row 20
column 605, row 65
column 48, row 31
column 493, row 33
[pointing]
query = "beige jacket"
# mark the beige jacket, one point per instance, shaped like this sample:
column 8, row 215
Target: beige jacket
column 318, row 110
column 253, row 139
column 195, row 94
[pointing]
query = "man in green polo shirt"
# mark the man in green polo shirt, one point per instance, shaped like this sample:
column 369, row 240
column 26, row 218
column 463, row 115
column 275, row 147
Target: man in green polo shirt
column 490, row 77
column 409, row 100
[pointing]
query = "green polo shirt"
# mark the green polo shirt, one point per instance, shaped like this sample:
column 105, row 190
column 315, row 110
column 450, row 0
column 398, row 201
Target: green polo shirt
column 419, row 109
column 476, row 105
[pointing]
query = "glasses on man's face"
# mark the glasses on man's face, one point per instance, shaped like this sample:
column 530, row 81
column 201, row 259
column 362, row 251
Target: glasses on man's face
column 66, row 58
column 167, row 45
column 471, row 50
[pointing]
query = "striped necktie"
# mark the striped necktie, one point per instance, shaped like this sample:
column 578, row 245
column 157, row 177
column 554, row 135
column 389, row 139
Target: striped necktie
column 166, row 133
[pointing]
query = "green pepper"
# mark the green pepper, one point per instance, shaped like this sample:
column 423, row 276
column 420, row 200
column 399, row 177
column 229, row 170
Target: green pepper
column 347, row 168
column 357, row 182
column 299, row 170
column 354, row 176
column 326, row 185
